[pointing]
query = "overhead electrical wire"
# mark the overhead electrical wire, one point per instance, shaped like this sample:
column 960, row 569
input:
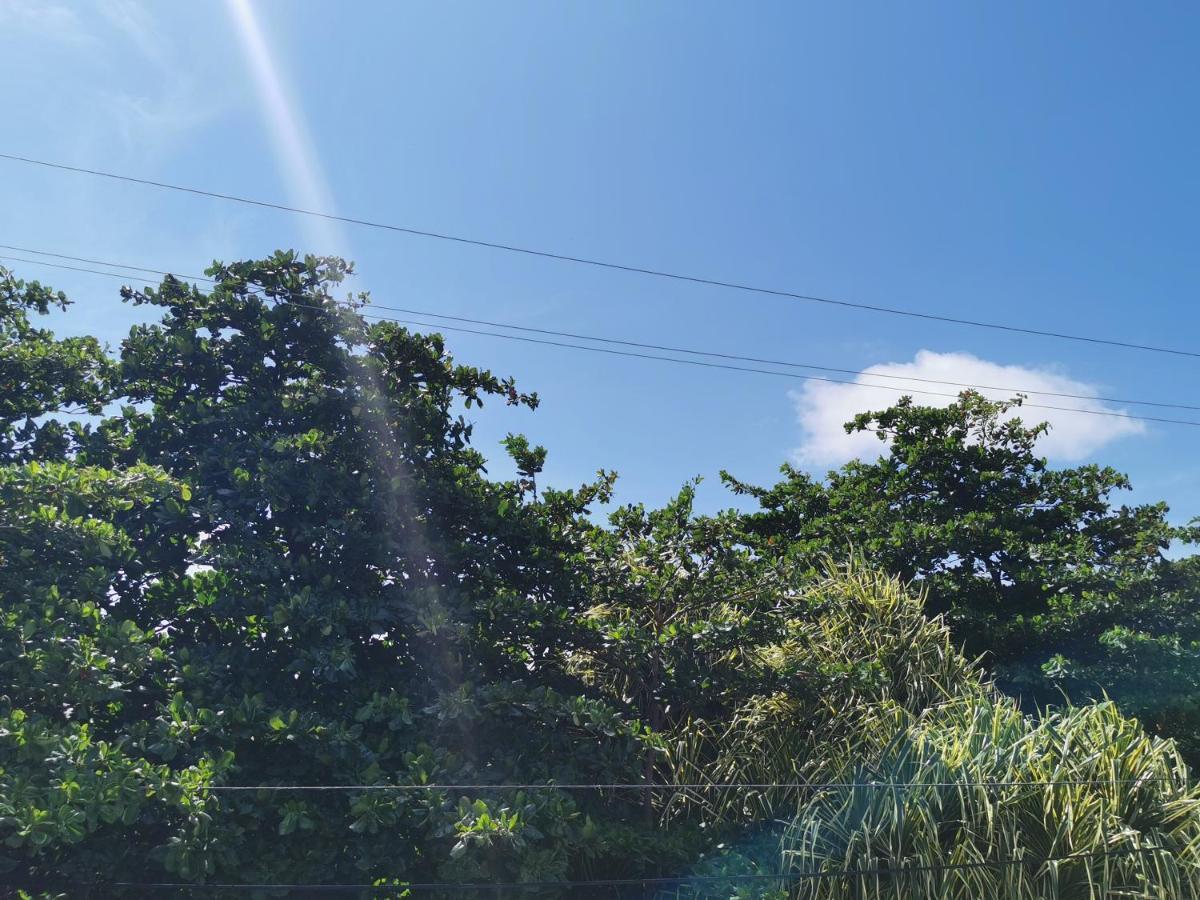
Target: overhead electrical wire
column 671, row 359
column 663, row 274
column 645, row 882
column 599, row 263
column 793, row 375
column 628, row 343
column 695, row 786
column 779, row 362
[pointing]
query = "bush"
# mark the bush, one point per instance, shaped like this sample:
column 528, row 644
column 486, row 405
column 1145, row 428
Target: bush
column 937, row 785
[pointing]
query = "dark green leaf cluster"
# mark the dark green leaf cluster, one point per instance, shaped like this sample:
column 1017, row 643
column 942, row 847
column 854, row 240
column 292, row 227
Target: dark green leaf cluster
column 1038, row 570
column 277, row 560
column 271, row 557
column 39, row 374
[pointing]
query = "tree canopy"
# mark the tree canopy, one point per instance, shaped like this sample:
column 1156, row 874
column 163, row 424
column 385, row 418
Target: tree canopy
column 266, row 619
column 1038, row 570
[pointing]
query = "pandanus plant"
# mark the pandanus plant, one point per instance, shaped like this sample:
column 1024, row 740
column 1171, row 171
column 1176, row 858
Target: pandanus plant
column 909, row 776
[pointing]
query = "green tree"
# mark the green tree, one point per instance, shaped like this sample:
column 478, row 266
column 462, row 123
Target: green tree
column 273, row 559
column 40, row 374
column 281, row 564
column 88, row 779
column 1038, row 570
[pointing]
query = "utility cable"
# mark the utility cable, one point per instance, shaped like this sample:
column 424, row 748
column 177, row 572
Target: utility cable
column 599, row 263
column 651, row 881
column 671, row 359
column 645, row 786
column 663, row 347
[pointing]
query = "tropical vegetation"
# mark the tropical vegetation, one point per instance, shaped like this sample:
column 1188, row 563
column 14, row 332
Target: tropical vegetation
column 265, row 619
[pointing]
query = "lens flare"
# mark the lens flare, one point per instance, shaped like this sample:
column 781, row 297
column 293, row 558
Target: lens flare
column 294, row 149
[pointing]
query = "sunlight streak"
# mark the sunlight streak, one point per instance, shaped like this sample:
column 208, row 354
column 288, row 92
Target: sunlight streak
column 303, row 175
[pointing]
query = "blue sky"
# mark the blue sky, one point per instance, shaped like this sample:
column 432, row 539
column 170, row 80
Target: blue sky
column 1023, row 163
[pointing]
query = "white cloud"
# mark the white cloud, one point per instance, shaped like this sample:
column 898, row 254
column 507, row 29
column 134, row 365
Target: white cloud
column 173, row 99
column 823, row 408
column 51, row 19
column 145, row 82
column 135, row 23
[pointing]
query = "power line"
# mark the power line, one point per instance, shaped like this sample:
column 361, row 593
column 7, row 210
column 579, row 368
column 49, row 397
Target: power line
column 650, row 881
column 123, row 275
column 662, row 347
column 603, row 264
column 778, row 362
column 670, row 359
column 100, row 262
column 793, row 375
column 676, row 360
column 644, row 786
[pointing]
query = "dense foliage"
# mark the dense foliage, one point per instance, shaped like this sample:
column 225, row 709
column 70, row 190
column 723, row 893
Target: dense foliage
column 272, row 559
column 927, row 782
column 1038, row 570
column 280, row 563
